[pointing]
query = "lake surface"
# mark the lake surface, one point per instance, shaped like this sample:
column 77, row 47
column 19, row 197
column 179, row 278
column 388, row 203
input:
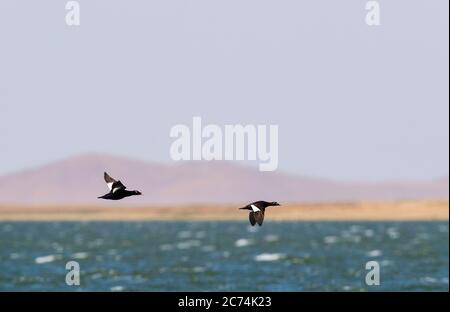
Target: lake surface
column 224, row 256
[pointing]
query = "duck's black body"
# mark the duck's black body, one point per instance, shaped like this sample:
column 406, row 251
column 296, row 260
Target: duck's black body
column 257, row 210
column 120, row 194
column 117, row 189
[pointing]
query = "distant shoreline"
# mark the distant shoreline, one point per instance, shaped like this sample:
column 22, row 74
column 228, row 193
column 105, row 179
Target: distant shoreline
column 358, row 211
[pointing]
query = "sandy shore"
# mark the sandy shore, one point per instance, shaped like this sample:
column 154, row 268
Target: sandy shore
column 370, row 211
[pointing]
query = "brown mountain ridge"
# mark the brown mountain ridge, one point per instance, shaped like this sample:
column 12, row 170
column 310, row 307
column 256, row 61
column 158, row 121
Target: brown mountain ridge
column 79, row 180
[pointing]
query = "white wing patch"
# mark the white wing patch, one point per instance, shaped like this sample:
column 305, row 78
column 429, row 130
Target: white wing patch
column 254, row 208
column 110, row 184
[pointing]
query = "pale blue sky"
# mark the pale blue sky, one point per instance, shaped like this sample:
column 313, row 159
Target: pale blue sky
column 352, row 102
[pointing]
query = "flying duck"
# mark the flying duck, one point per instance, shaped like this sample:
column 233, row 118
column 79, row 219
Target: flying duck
column 116, row 189
column 257, row 209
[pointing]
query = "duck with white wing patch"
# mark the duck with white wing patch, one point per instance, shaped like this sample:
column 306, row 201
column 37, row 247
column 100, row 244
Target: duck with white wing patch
column 116, row 189
column 257, row 210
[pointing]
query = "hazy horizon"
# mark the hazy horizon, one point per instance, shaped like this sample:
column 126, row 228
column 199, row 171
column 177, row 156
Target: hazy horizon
column 353, row 102
column 240, row 164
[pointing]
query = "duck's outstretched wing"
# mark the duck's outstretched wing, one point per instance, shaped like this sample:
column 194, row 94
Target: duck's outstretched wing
column 251, row 218
column 113, row 185
column 256, row 217
column 259, row 217
column 109, row 181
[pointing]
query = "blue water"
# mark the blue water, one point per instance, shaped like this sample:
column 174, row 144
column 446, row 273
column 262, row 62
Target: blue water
column 224, row 256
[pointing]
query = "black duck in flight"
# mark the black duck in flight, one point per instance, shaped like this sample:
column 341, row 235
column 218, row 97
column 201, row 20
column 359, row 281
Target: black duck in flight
column 257, row 210
column 116, row 189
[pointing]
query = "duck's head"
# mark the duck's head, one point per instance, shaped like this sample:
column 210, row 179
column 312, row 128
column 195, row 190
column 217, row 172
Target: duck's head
column 137, row 193
column 274, row 204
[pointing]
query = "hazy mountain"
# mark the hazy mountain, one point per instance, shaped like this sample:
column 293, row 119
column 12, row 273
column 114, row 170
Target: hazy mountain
column 80, row 180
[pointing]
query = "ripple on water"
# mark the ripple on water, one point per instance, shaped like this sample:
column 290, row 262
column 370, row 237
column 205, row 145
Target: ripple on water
column 199, row 269
column 271, row 238
column 429, row 280
column 242, row 242
column 15, row 256
column 188, row 244
column 166, row 247
column 57, row 247
column 386, row 263
column 269, row 257
column 252, row 229
column 46, row 259
column 208, row 248
column 7, row 228
column 369, row 233
column 346, row 288
column 330, row 239
column 111, row 252
column 184, row 234
column 117, row 288
column 424, row 236
column 374, row 253
column 200, row 234
column 443, row 228
column 355, row 228
column 80, row 255
column 95, row 243
column 393, row 233
column 351, row 237
column 96, row 276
